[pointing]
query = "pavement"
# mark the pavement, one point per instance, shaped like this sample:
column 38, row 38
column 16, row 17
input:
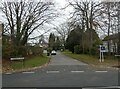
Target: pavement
column 63, row 71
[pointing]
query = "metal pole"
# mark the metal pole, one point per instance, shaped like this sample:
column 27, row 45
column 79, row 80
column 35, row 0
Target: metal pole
column 100, row 54
column 102, row 57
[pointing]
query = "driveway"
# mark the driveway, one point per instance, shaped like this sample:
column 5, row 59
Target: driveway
column 62, row 72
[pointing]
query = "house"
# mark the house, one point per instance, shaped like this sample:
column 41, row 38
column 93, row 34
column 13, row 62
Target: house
column 113, row 43
column 42, row 42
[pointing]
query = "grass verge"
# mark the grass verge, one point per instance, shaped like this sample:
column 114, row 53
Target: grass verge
column 93, row 60
column 28, row 63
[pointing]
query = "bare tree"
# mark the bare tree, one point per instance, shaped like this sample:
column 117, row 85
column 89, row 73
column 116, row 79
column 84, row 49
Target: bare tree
column 63, row 30
column 107, row 11
column 25, row 17
column 86, row 13
column 118, row 18
column 109, row 19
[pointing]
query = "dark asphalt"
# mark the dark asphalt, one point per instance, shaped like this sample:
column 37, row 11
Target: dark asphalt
column 62, row 72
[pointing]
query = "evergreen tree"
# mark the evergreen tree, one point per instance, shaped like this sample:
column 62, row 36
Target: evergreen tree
column 52, row 41
column 57, row 43
column 73, row 39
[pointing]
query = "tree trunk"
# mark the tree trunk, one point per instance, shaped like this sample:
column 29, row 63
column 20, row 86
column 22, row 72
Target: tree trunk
column 108, row 28
column 119, row 29
column 83, row 28
column 91, row 27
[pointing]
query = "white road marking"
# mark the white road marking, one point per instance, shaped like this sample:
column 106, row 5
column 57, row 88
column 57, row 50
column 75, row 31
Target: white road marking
column 28, row 72
column 8, row 73
column 52, row 71
column 101, row 71
column 77, row 71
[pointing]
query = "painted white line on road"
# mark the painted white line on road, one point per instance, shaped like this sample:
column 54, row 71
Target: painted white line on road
column 77, row 71
column 8, row 73
column 28, row 72
column 52, row 71
column 101, row 71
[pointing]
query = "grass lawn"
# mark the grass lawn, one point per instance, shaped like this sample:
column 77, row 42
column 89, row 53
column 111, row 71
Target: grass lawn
column 29, row 62
column 93, row 60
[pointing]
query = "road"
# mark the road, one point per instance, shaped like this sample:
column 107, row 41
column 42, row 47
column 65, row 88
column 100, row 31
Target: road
column 62, row 71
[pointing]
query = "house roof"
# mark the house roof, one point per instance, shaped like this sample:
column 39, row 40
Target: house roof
column 111, row 37
column 42, row 41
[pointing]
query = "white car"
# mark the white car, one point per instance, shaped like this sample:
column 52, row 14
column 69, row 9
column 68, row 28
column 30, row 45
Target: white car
column 53, row 52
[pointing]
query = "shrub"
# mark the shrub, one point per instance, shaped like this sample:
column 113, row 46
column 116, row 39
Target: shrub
column 36, row 50
column 7, row 51
column 49, row 49
column 94, row 51
column 77, row 49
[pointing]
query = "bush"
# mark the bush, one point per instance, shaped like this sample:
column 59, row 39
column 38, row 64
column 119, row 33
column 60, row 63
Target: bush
column 49, row 49
column 86, row 51
column 94, row 51
column 35, row 50
column 77, row 49
column 7, row 51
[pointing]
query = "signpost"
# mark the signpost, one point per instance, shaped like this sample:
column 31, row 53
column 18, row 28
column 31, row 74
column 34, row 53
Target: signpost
column 102, row 50
column 18, row 59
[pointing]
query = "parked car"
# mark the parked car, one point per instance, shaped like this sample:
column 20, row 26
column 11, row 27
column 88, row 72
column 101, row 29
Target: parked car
column 53, row 52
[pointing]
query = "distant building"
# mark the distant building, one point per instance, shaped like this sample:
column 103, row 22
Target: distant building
column 42, row 42
column 113, row 41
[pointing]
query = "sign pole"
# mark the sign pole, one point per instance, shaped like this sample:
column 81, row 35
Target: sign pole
column 102, row 50
column 102, row 57
column 100, row 53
